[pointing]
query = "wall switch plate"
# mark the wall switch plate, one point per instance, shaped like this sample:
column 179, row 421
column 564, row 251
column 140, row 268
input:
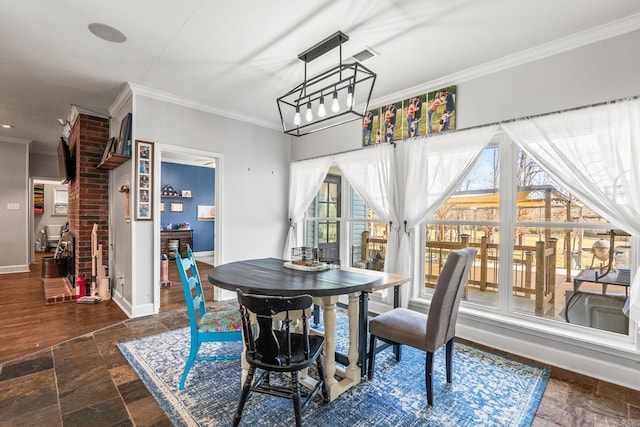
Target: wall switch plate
column 13, row 206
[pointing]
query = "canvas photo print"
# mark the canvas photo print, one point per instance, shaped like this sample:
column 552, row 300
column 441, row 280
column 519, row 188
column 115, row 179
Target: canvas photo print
column 441, row 110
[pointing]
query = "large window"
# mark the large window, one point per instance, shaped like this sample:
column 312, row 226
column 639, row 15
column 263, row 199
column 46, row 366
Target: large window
column 544, row 238
column 542, row 252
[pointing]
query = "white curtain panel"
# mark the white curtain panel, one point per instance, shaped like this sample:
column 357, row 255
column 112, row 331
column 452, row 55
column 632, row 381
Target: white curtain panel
column 429, row 171
column 595, row 154
column 372, row 173
column 305, row 179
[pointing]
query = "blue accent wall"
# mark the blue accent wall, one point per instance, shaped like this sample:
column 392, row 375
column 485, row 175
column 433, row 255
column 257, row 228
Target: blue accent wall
column 201, row 182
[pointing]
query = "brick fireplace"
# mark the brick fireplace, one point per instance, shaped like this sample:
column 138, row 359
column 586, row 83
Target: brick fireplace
column 89, row 190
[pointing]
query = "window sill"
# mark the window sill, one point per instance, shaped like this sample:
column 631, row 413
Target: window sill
column 586, row 338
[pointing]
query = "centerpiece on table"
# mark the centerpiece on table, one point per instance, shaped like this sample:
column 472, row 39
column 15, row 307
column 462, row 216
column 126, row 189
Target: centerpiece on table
column 306, row 258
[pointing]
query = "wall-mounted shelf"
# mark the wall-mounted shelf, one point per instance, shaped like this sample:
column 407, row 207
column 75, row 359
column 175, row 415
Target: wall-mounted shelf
column 113, row 161
column 164, row 196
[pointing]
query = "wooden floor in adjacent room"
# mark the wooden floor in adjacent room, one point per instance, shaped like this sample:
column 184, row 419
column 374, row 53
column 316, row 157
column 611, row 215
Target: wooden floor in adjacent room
column 28, row 324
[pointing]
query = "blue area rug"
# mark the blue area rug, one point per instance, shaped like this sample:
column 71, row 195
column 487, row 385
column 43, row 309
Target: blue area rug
column 487, row 390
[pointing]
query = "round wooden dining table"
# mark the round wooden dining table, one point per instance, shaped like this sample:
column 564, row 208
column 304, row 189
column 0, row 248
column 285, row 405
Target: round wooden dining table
column 270, row 276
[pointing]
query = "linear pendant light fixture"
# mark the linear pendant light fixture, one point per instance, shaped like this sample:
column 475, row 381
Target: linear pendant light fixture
column 340, row 86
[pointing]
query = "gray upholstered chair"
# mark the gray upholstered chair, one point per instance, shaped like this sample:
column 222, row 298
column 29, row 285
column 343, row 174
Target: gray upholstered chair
column 401, row 326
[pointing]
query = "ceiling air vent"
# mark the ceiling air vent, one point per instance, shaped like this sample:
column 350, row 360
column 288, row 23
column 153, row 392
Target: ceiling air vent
column 364, row 55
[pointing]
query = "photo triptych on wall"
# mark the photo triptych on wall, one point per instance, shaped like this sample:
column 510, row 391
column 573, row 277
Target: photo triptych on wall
column 416, row 116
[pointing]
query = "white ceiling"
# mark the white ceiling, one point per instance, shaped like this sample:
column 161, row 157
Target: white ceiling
column 237, row 57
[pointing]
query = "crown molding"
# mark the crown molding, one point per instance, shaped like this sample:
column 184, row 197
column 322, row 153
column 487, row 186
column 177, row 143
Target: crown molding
column 189, row 103
column 12, row 140
column 123, row 97
column 574, row 41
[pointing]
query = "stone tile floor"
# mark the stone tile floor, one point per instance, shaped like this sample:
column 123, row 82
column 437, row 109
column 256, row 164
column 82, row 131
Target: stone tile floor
column 87, row 381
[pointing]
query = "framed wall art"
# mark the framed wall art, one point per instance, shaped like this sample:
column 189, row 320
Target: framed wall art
column 206, row 213
column 144, row 181
column 176, row 207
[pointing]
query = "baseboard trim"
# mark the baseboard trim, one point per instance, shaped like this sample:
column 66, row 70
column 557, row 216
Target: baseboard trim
column 204, row 253
column 142, row 310
column 8, row 269
column 122, row 303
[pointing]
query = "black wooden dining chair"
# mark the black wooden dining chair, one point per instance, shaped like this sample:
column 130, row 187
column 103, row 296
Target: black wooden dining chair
column 279, row 349
column 429, row 332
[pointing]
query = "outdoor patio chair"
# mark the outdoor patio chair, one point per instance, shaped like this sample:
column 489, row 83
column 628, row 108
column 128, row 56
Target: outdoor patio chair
column 206, row 326
column 401, row 326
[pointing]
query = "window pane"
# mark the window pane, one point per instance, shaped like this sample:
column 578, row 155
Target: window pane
column 550, row 265
column 441, row 239
column 332, row 210
column 322, row 232
column 574, row 275
column 322, row 194
column 542, row 199
column 549, row 204
column 332, row 232
column 368, row 245
column 468, row 211
column 323, row 210
column 368, row 239
column 333, row 193
column 477, row 197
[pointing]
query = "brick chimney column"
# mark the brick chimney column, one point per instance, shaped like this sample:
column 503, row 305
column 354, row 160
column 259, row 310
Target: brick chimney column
column 89, row 190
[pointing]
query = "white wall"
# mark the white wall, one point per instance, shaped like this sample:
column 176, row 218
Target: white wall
column 251, row 205
column 120, row 254
column 600, row 72
column 14, row 238
column 334, row 140
column 44, row 166
column 254, row 175
column 120, row 231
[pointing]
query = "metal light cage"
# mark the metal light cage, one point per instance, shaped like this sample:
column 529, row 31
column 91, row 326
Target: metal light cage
column 338, row 81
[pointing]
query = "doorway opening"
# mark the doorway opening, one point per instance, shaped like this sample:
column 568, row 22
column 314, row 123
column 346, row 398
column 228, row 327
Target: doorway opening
column 49, row 215
column 187, row 187
column 324, row 232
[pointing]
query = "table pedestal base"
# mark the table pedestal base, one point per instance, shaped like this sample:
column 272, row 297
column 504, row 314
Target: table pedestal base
column 351, row 375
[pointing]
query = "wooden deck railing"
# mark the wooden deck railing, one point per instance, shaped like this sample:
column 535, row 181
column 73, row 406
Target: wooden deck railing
column 534, row 266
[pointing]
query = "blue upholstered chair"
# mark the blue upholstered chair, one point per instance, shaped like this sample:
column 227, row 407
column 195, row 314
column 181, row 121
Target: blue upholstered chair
column 212, row 326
